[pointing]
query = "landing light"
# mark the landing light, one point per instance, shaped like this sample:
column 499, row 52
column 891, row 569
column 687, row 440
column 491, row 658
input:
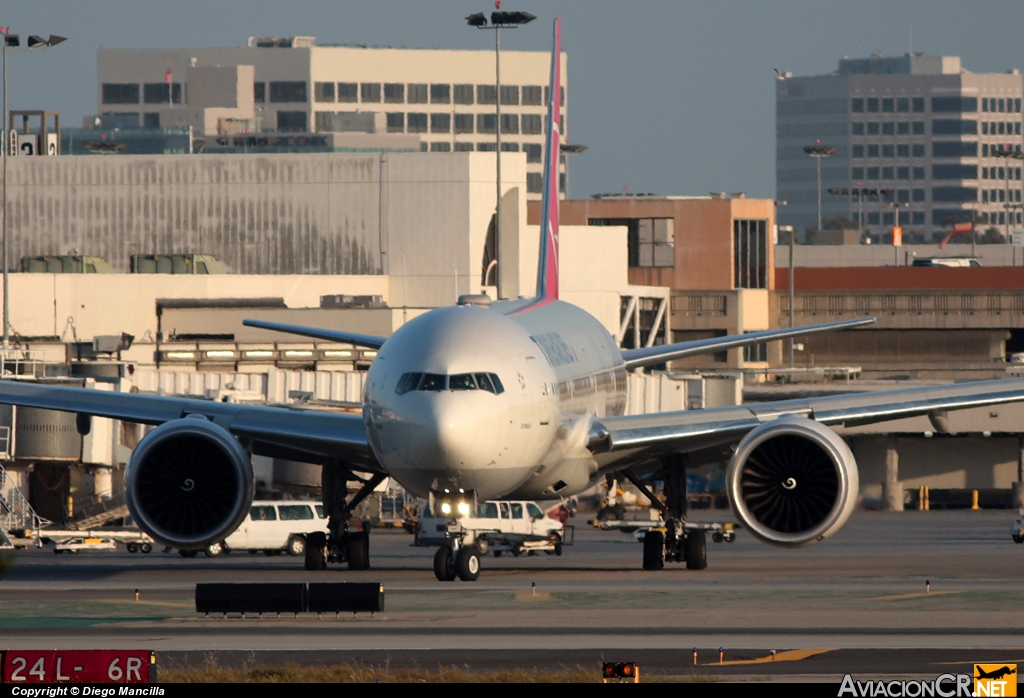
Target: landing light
column 446, row 508
column 464, row 508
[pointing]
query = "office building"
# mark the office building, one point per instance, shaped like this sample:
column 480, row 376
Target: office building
column 938, row 139
column 445, row 98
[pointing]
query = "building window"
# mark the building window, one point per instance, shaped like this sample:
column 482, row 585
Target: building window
column 487, row 147
column 874, row 218
column 954, row 171
column 485, row 94
column 917, row 195
column 888, row 104
column 902, row 173
column 288, row 91
column 984, row 104
column 509, row 147
column 417, row 123
column 440, row 94
column 463, row 147
column 902, row 104
column 120, row 93
column 917, row 217
column 291, row 120
column 888, row 173
column 151, row 120
column 534, row 182
column 918, row 173
column 888, row 218
column 857, row 173
column 918, row 104
column 533, row 123
column 857, row 105
column 396, row 122
column 917, row 128
column 440, row 123
column 259, row 92
column 158, row 92
column 370, row 92
column 857, row 128
column 532, row 95
column 888, row 151
column 872, row 103
column 323, row 91
column 348, row 92
column 464, row 94
column 533, row 152
column 872, row 173
column 547, row 96
column 510, row 94
column 889, row 128
column 857, row 151
column 953, row 127
column 417, row 94
column 918, row 149
column 873, row 150
column 873, row 128
column 464, row 123
column 750, row 246
column 756, row 353
column 954, row 149
column 441, row 147
column 903, row 196
column 486, row 123
column 903, row 150
column 394, row 93
column 510, row 123
column 954, row 194
column 954, row 104
column 903, row 128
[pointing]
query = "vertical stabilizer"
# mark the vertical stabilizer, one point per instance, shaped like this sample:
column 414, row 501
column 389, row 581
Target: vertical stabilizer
column 547, row 267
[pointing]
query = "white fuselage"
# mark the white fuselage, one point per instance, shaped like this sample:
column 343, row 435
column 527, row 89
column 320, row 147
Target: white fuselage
column 523, row 435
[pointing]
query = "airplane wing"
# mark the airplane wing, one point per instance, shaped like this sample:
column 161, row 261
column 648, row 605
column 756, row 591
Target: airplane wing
column 360, row 340
column 274, row 431
column 689, row 429
column 670, row 352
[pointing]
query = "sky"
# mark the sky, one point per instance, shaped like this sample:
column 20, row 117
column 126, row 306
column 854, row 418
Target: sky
column 671, row 98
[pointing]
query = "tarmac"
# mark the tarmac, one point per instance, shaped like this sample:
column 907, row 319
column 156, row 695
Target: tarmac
column 856, row 603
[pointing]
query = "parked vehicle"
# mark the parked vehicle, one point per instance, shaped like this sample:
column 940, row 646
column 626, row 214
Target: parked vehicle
column 272, row 528
column 514, row 527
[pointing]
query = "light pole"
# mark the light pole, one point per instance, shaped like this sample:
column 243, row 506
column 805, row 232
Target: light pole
column 11, row 41
column 499, row 20
column 818, row 152
column 792, row 234
column 1008, row 154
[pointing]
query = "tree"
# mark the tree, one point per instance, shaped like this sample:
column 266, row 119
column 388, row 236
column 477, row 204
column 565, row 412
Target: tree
column 992, row 236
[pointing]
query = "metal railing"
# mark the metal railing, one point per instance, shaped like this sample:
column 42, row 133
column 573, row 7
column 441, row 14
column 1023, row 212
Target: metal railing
column 15, row 511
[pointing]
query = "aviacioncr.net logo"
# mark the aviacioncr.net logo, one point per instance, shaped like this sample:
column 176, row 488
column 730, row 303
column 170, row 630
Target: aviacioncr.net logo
column 943, row 686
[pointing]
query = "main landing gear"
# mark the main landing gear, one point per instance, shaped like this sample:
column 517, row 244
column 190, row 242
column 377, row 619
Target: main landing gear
column 340, row 544
column 678, row 543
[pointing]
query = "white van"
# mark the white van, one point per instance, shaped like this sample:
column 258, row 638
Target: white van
column 273, row 527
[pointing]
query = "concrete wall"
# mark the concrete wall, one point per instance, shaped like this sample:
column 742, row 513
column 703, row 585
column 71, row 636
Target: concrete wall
column 882, row 255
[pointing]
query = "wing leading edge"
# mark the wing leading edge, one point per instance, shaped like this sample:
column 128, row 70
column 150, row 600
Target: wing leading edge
column 670, row 352
column 667, row 431
column 360, row 340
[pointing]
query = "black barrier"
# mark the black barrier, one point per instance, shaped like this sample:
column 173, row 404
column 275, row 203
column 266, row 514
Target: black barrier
column 330, row 597
column 345, row 597
column 251, row 598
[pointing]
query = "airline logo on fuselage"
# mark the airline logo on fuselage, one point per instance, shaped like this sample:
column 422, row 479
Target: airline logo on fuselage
column 557, row 352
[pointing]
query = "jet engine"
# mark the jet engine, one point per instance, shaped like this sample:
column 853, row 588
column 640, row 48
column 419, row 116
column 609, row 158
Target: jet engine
column 792, row 482
column 189, row 483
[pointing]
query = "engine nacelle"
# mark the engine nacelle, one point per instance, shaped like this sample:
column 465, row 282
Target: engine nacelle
column 792, row 482
column 189, row 483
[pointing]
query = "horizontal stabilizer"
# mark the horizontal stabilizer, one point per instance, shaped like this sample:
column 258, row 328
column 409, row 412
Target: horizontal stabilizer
column 670, row 352
column 360, row 340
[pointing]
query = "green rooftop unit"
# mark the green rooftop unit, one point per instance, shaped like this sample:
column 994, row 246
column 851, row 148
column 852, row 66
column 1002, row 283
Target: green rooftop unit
column 176, row 264
column 65, row 264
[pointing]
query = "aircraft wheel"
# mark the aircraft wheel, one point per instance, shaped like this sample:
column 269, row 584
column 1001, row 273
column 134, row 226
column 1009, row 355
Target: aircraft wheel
column 146, row 548
column 316, row 552
column 444, row 566
column 296, row 546
column 214, row 550
column 467, row 564
column 1017, row 538
column 358, row 551
column 132, row 548
column 696, row 550
column 654, row 550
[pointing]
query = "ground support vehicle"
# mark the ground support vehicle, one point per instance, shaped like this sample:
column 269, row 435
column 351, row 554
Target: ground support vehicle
column 497, row 527
column 272, row 527
column 71, row 541
column 1017, row 529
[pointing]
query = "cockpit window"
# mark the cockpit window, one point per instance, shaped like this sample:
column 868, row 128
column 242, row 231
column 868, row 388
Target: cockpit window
column 433, row 381
column 437, row 382
column 462, row 381
column 408, row 382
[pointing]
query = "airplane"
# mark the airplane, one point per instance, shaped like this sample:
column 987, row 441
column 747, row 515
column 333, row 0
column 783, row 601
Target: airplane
column 513, row 399
column 995, row 673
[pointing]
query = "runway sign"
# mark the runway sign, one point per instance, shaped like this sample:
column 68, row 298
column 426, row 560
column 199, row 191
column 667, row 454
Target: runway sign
column 78, row 666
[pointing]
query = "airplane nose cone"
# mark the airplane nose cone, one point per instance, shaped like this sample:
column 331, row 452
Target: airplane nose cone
column 460, row 434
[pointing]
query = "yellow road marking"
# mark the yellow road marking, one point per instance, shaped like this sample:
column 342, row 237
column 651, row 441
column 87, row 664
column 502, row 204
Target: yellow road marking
column 787, row 656
column 915, row 595
column 539, row 596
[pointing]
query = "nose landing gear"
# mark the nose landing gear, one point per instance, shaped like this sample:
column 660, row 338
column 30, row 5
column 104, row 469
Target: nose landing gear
column 462, row 562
